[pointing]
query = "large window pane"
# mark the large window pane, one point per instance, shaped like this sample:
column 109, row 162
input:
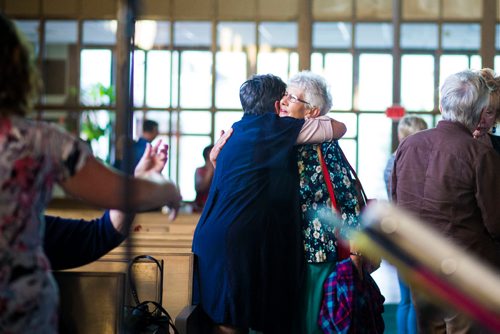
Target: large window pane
column 450, row 64
column 417, row 82
column 350, row 120
column 237, row 44
column 374, row 149
column 234, row 36
column 476, row 62
column 375, row 81
column 196, row 79
column 278, row 34
column 191, row 157
column 60, row 63
column 278, row 63
column 419, row 35
column 461, row 36
column 95, row 77
column 225, row 119
column 150, row 33
column 195, row 122
column 374, row 35
column 192, row 33
column 158, row 79
column 139, row 66
column 231, row 70
column 338, row 72
column 332, row 35
column 275, row 39
column 99, row 32
column 349, row 148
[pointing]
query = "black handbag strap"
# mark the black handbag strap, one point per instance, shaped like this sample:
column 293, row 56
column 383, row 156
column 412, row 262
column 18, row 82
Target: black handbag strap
column 132, row 281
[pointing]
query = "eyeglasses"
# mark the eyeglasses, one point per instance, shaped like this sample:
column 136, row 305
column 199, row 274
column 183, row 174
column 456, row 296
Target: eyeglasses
column 294, row 99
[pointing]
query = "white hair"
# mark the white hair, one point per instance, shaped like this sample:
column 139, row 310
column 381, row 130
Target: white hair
column 316, row 90
column 464, row 95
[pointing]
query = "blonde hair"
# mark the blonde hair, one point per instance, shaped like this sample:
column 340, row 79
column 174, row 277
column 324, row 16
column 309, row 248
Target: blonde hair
column 408, row 125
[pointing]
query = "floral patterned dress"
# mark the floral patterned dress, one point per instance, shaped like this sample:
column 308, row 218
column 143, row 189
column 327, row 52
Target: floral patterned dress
column 33, row 156
column 318, row 219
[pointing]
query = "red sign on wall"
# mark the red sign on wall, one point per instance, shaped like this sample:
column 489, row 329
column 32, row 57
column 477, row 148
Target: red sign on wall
column 395, row 112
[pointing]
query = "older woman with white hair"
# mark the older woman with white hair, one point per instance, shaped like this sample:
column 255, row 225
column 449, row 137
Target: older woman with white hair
column 449, row 180
column 308, row 96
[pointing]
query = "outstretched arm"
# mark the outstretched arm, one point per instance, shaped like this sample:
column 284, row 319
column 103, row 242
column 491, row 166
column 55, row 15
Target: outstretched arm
column 71, row 243
column 101, row 186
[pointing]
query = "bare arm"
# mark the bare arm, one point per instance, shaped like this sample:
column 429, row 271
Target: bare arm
column 98, row 185
column 320, row 129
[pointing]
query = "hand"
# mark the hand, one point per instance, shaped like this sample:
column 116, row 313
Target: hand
column 174, row 203
column 478, row 133
column 214, row 153
column 153, row 160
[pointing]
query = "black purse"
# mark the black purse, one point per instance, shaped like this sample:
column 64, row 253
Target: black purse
column 147, row 316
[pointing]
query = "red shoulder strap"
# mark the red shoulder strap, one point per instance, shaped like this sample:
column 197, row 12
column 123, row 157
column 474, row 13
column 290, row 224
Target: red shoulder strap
column 326, row 176
column 343, row 247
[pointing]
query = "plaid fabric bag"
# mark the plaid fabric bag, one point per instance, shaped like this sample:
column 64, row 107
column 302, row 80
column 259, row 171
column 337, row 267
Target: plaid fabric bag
column 351, row 304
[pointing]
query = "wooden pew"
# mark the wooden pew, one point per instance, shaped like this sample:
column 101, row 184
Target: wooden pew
column 91, row 302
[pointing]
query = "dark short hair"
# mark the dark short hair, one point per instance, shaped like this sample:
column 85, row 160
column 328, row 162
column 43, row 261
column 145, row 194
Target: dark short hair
column 19, row 80
column 149, row 126
column 260, row 92
column 206, row 151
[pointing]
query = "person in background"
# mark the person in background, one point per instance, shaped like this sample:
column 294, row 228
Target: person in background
column 491, row 115
column 149, row 133
column 35, row 156
column 405, row 314
column 450, row 181
column 203, row 179
column 70, row 243
column 247, row 243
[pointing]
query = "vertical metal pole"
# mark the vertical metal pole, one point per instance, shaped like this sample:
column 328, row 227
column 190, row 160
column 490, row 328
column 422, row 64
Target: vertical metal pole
column 488, row 30
column 124, row 97
column 396, row 67
column 124, row 94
